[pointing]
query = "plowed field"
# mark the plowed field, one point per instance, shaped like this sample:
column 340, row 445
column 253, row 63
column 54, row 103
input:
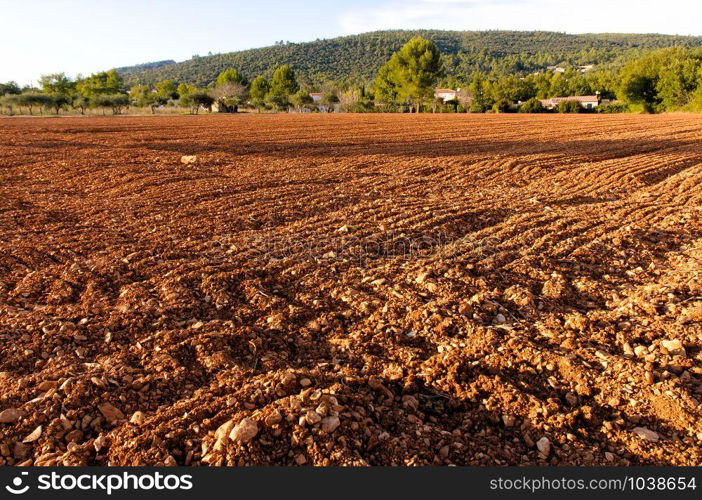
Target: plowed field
column 351, row 290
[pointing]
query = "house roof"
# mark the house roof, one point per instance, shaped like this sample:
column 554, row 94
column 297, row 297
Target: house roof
column 445, row 91
column 316, row 94
column 579, row 98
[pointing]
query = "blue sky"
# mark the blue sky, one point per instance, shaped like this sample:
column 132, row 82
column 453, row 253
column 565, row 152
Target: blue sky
column 80, row 36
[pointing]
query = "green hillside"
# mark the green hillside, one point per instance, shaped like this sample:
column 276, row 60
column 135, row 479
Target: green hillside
column 358, row 57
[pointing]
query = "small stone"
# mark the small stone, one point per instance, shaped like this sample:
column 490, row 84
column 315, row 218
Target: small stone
column 640, row 351
column 300, row 459
column 444, row 452
column 674, row 347
column 544, row 446
column 137, row 418
column 628, row 351
column 75, row 436
column 244, row 431
column 20, row 450
column 343, row 229
column 33, row 436
column 47, row 385
column 111, row 413
column 500, row 319
column 330, row 424
column 99, row 442
column 222, row 435
column 11, row 415
column 188, row 159
column 170, row 461
column 650, row 379
column 312, row 417
column 305, row 382
column 273, row 419
column 609, row 456
column 421, row 278
column 646, row 434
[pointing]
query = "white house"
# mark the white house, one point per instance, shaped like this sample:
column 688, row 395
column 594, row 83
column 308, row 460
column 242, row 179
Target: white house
column 317, row 98
column 446, row 94
column 586, row 101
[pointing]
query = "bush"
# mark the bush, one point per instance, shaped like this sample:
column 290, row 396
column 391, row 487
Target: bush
column 533, row 105
column 613, row 107
column 570, row 106
column 502, row 106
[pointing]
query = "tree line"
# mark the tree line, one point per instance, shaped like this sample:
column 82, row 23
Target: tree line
column 667, row 79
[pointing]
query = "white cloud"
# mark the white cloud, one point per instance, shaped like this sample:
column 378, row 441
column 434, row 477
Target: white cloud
column 595, row 16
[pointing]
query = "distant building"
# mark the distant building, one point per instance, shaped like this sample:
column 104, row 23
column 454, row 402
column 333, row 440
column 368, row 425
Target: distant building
column 446, row 94
column 317, row 98
column 556, row 69
column 586, row 101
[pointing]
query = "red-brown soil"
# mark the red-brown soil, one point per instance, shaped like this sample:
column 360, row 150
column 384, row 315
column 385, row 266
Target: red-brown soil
column 357, row 289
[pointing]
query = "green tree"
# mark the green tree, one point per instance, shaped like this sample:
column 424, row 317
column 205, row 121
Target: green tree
column 258, row 91
column 141, row 95
column 57, row 84
column 230, row 75
column 283, row 85
column 513, row 89
column 385, row 87
column 9, row 88
column 105, row 82
column 411, row 73
column 166, row 90
column 58, row 102
column 79, row 101
column 113, row 101
column 184, row 90
column 195, row 99
column 480, row 92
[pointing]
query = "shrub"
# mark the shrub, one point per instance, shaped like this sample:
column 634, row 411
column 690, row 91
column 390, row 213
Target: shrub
column 533, row 105
column 502, row 106
column 570, row 106
column 613, row 107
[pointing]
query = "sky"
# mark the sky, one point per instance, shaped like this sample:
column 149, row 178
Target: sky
column 83, row 36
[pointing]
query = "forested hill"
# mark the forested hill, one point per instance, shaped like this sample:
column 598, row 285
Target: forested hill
column 358, row 57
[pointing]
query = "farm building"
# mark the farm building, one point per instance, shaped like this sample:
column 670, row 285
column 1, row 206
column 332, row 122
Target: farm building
column 446, row 94
column 317, row 99
column 586, row 101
